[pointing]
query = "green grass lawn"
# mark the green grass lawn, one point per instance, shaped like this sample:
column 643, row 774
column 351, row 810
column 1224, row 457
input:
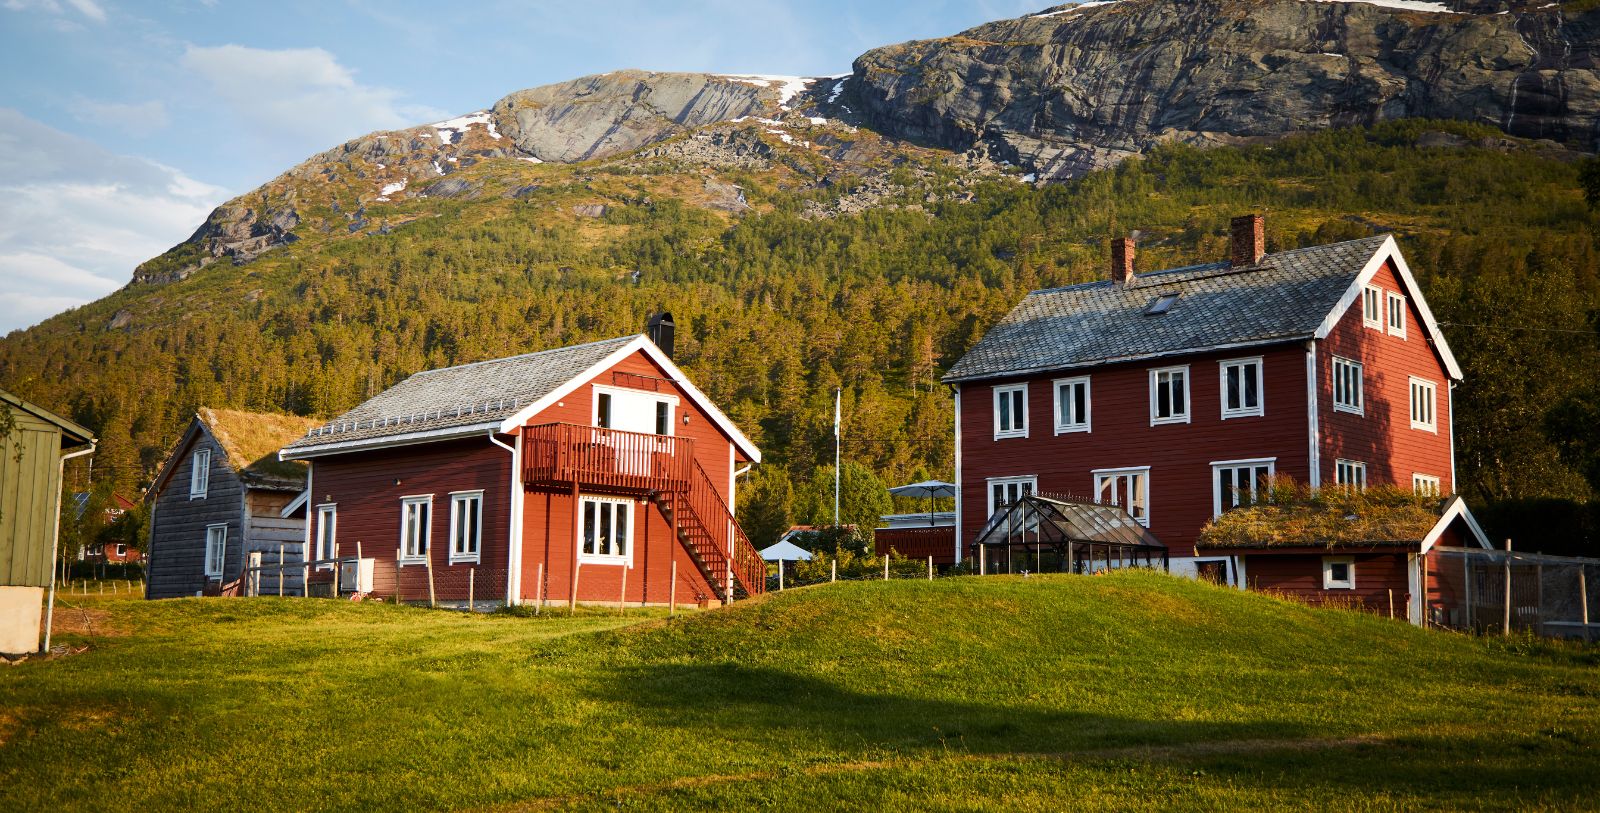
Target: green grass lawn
column 1124, row 691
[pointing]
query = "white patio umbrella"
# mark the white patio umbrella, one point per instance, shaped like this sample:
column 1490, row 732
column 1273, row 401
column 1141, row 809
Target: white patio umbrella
column 784, row 551
column 930, row 489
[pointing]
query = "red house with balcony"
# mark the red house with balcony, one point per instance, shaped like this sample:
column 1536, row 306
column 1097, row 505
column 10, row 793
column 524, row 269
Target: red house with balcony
column 595, row 473
column 1176, row 394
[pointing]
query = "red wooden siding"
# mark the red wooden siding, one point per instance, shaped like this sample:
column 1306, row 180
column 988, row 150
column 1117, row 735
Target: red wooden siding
column 1300, row 575
column 918, row 543
column 364, row 485
column 1382, row 437
column 1179, row 455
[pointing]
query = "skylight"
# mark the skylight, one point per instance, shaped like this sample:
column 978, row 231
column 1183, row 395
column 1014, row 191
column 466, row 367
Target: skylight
column 1160, row 305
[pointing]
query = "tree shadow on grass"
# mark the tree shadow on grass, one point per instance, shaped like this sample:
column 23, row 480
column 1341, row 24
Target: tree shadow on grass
column 763, row 706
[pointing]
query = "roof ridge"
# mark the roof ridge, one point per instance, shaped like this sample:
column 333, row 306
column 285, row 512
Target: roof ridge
column 520, row 356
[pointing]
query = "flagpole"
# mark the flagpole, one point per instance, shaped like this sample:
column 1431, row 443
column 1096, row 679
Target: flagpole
column 836, row 422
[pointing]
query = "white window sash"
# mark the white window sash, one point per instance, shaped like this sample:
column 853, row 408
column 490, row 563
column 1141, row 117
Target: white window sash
column 199, row 474
column 415, row 548
column 1251, row 367
column 1131, row 484
column 1069, row 387
column 1426, row 485
column 1372, row 305
column 1011, row 406
column 216, row 549
column 1329, row 583
column 1350, row 473
column 1012, row 488
column 1254, row 484
column 1156, row 380
column 460, row 501
column 1424, row 402
column 1349, row 386
column 606, row 514
column 1395, row 305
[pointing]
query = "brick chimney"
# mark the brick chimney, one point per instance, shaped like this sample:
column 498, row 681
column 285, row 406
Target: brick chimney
column 1249, row 241
column 1121, row 259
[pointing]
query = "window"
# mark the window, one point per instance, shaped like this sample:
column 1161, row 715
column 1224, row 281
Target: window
column 1160, row 305
column 1004, row 491
column 1169, row 395
column 1011, row 411
column 466, row 525
column 1350, row 474
column 1397, row 315
column 1425, row 484
column 1338, row 573
column 1072, row 405
column 216, row 548
column 1347, row 396
column 1241, row 388
column 1422, row 404
column 602, row 410
column 199, row 474
column 1128, row 488
column 122, row 549
column 606, row 530
column 1372, row 307
column 415, row 529
column 327, row 530
column 1238, row 483
column 663, row 418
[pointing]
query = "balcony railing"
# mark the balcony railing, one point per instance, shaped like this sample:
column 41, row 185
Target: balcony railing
column 564, row 454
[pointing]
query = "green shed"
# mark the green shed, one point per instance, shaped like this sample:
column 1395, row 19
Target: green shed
column 32, row 455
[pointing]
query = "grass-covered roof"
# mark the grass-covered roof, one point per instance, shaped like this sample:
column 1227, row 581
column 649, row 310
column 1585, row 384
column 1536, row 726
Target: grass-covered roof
column 252, row 441
column 1294, row 515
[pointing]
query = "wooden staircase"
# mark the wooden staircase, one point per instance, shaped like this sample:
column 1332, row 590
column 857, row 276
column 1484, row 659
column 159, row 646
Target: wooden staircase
column 706, row 528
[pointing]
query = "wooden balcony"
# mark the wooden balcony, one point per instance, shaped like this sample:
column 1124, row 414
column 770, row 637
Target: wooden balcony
column 564, row 455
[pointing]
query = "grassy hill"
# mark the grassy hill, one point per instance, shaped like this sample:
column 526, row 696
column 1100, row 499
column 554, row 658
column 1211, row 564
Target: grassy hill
column 1124, row 691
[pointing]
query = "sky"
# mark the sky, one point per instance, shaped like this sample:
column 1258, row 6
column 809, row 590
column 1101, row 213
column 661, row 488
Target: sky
column 122, row 124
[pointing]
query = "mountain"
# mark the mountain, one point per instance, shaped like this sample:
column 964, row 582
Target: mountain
column 863, row 230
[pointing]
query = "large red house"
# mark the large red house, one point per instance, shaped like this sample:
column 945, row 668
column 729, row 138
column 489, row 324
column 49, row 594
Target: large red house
column 1176, row 394
column 591, row 473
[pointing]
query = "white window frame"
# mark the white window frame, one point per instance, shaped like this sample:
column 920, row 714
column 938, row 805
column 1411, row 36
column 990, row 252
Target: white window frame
column 1188, row 400
column 199, row 474
column 620, row 504
column 1355, row 467
column 404, row 557
column 327, row 533
column 612, row 392
column 1430, row 421
column 1395, row 304
column 1372, row 307
column 1261, row 394
column 1360, row 405
column 1141, row 472
column 1002, row 392
column 1426, row 485
column 1330, row 583
column 213, row 566
column 1252, row 463
column 122, row 549
column 1084, row 422
column 1027, row 484
column 456, row 500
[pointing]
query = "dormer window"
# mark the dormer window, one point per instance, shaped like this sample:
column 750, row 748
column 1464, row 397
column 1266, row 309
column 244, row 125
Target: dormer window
column 1160, row 305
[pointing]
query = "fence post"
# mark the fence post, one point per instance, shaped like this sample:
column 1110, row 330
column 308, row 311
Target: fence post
column 833, row 567
column 1538, row 597
column 1391, row 603
column 1507, row 629
column 780, row 575
column 538, row 590
column 433, row 598
column 622, row 598
column 886, row 567
column 930, row 568
column 280, row 571
column 1583, row 599
column 572, row 600
column 472, row 578
column 336, row 573
column 672, row 591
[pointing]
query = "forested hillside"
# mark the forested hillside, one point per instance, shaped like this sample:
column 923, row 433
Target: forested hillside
column 777, row 305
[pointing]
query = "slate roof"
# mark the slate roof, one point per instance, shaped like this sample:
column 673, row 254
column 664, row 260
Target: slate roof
column 1284, row 297
column 479, row 395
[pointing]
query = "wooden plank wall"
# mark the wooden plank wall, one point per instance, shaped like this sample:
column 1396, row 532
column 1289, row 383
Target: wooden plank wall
column 1300, row 575
column 270, row 532
column 178, row 527
column 28, row 492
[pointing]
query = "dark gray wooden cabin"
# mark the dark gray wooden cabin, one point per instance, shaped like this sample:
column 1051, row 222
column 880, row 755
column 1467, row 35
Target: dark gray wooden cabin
column 220, row 497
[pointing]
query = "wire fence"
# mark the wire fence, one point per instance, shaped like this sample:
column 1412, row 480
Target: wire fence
column 847, row 565
column 1481, row 591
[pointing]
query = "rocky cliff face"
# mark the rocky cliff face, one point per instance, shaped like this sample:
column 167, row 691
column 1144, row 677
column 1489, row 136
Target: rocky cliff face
column 1058, row 93
column 1077, row 88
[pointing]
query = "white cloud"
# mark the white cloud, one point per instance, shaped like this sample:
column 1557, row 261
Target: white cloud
column 141, row 119
column 75, row 218
column 301, row 96
column 87, row 8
